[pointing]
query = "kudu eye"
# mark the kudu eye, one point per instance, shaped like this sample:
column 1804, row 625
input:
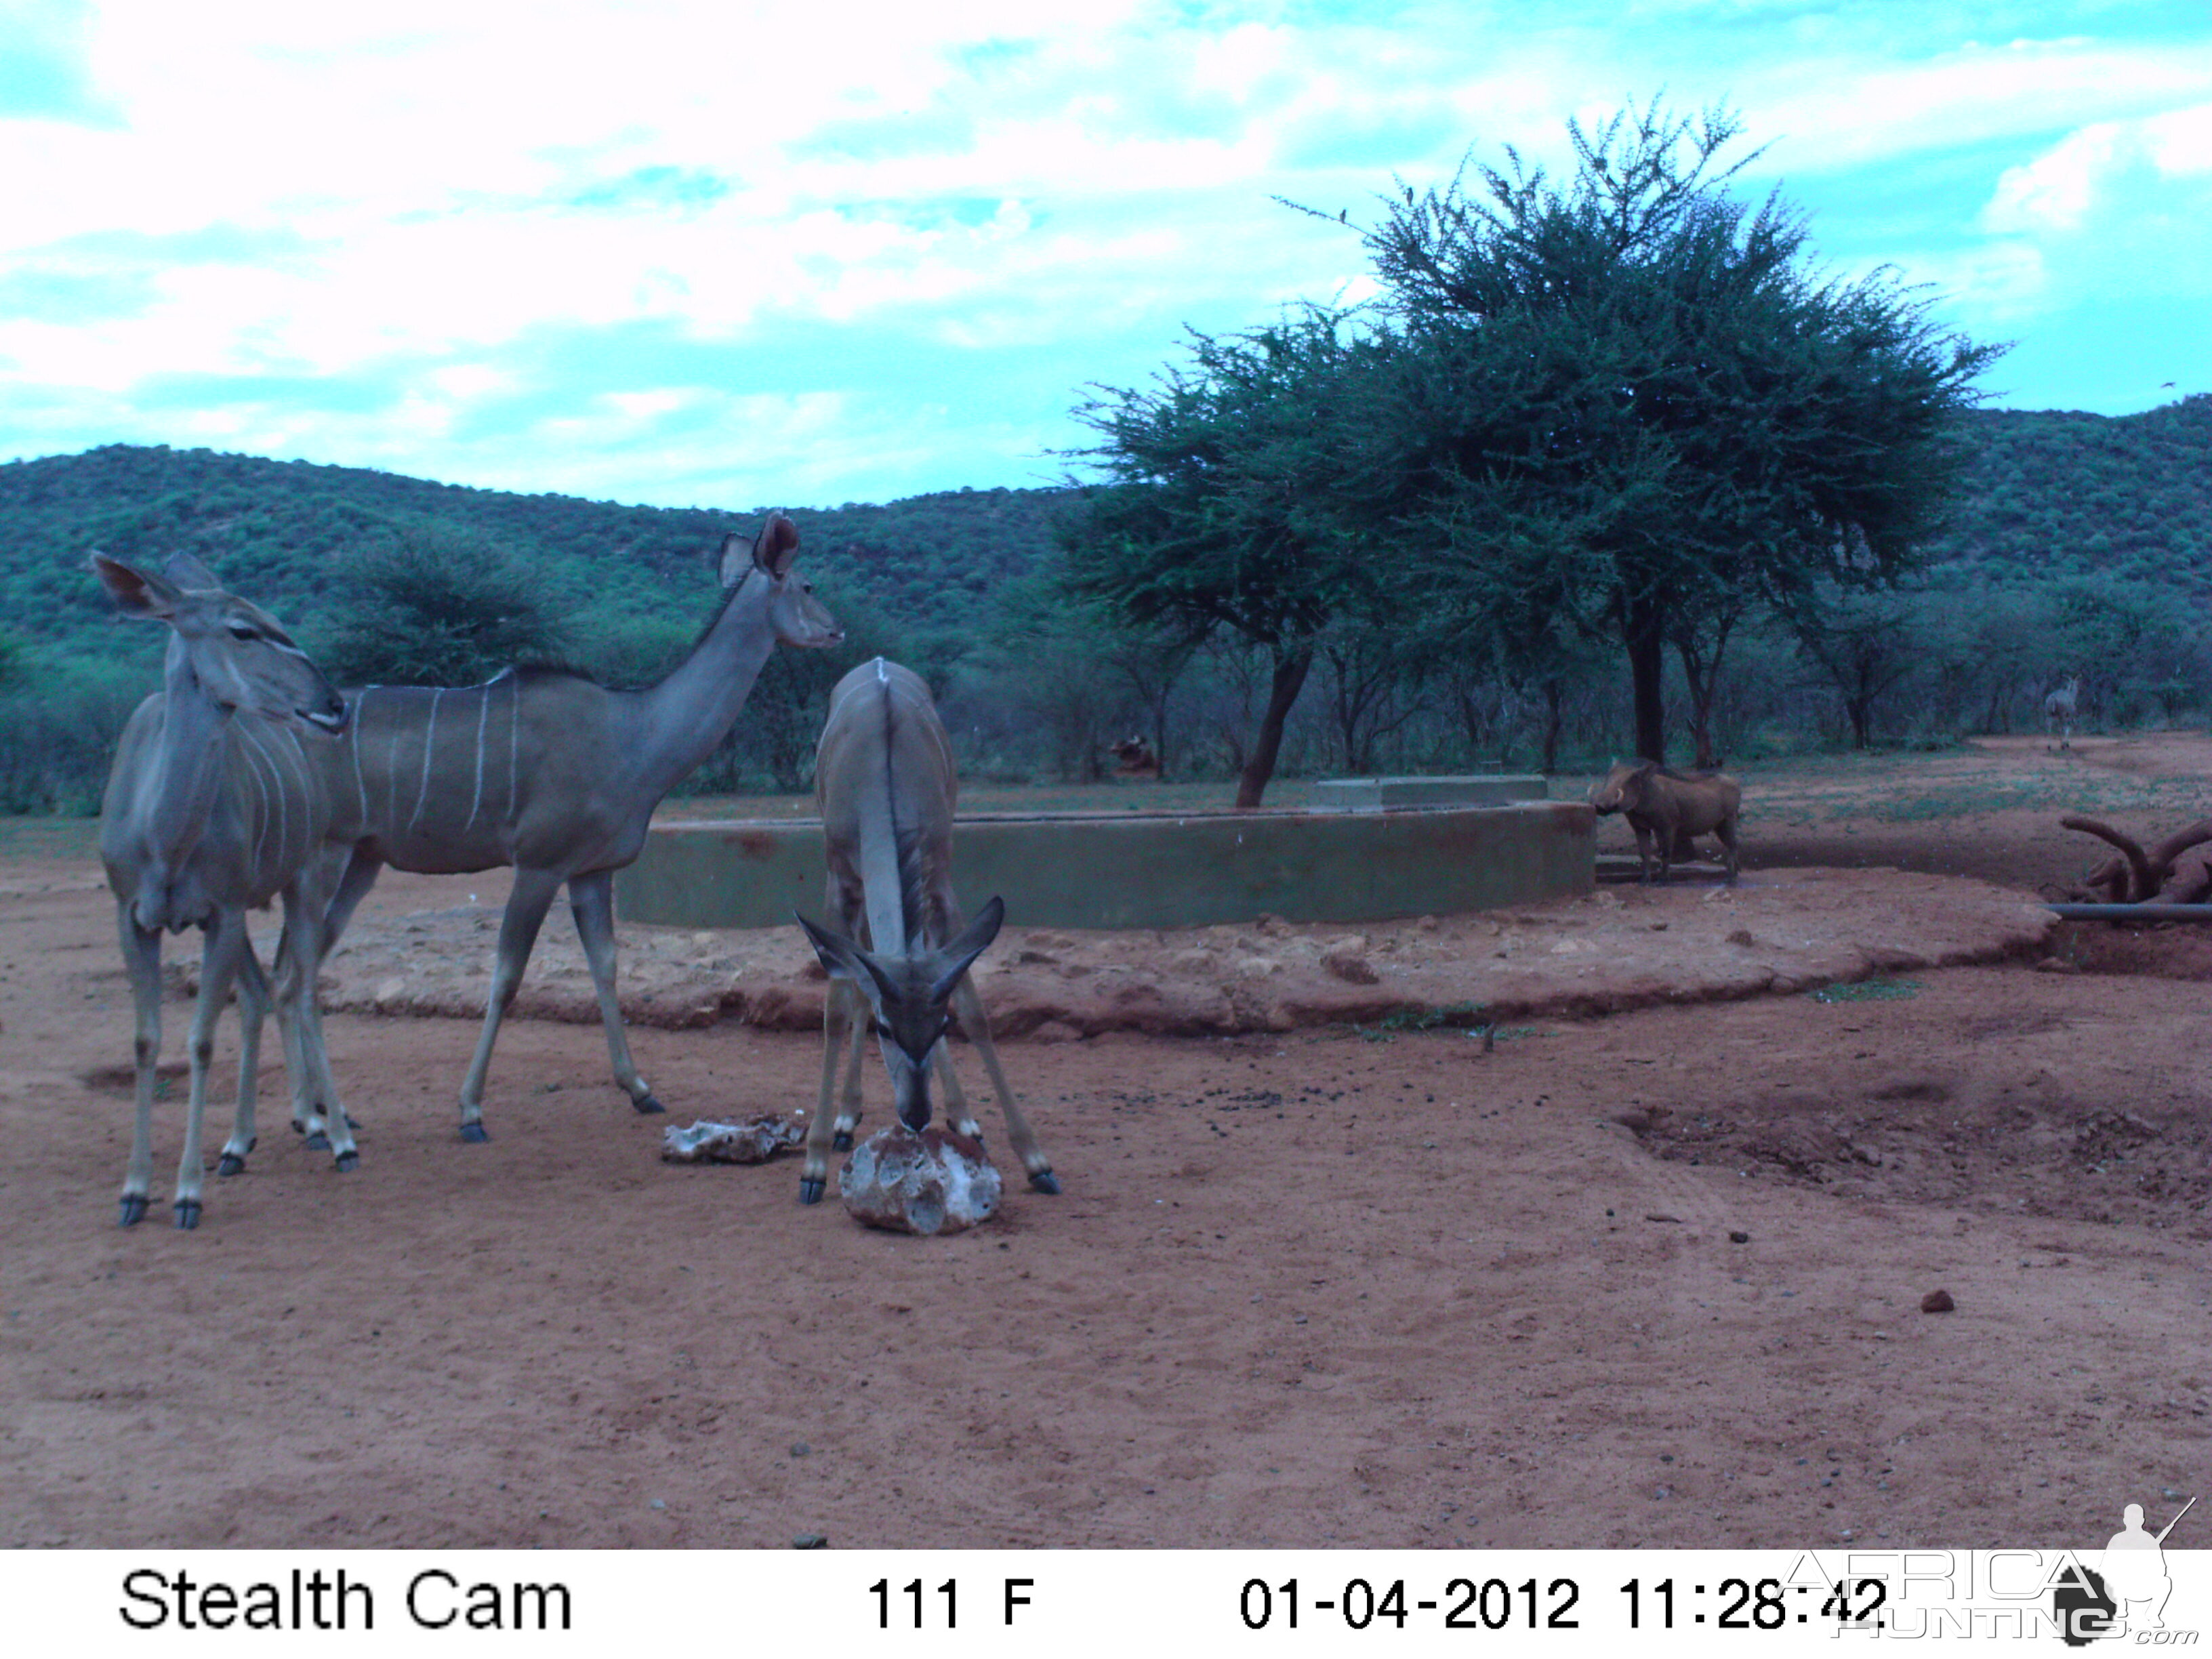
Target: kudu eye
column 243, row 631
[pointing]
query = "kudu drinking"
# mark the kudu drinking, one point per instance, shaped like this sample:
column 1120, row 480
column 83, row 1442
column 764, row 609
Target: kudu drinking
column 546, row 770
column 217, row 802
column 883, row 778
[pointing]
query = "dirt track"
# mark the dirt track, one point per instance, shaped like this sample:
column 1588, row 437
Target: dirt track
column 1312, row 1285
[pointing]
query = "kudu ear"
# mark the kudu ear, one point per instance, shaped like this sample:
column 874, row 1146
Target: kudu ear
column 842, row 959
column 960, row 951
column 776, row 545
column 186, row 571
column 733, row 561
column 137, row 592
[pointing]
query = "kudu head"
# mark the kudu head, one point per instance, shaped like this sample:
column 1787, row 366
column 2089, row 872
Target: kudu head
column 797, row 616
column 235, row 652
column 908, row 998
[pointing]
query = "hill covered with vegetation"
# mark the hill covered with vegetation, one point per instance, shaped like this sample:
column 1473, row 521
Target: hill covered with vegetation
column 288, row 534
column 2079, row 542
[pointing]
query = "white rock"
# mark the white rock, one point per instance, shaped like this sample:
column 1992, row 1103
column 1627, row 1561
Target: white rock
column 936, row 1182
column 754, row 1142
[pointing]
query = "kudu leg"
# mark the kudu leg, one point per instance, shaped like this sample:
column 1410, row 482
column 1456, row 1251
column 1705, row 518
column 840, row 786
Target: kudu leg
column 958, row 1116
column 314, row 1094
column 977, row 1024
column 142, row 961
column 352, row 887
column 591, row 902
column 219, row 970
column 839, row 1026
column 253, row 1012
column 526, row 904
column 848, row 1109
column 845, row 897
column 304, row 945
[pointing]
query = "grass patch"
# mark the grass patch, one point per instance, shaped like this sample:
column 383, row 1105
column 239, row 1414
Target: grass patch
column 1868, row 990
column 1467, row 1017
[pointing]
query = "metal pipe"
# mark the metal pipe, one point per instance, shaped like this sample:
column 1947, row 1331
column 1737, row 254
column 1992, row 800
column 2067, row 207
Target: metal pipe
column 2131, row 911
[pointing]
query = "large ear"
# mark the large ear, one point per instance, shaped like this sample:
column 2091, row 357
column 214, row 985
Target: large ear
column 735, row 558
column 186, row 571
column 842, row 959
column 776, row 545
column 964, row 947
column 136, row 593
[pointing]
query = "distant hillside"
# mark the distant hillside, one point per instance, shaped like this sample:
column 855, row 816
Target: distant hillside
column 2048, row 495
column 2053, row 494
column 280, row 533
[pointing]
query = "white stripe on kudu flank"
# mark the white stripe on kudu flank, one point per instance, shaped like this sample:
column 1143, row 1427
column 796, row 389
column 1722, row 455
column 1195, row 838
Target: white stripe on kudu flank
column 513, row 740
column 392, row 766
column 484, row 713
column 245, row 752
column 353, row 742
column 276, row 786
column 429, row 737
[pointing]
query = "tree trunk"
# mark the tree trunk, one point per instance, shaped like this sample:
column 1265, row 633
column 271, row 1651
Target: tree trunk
column 1646, row 635
column 1702, row 675
column 1290, row 678
column 1554, row 719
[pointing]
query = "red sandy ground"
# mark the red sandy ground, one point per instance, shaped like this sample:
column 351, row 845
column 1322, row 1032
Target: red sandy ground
column 1308, row 1285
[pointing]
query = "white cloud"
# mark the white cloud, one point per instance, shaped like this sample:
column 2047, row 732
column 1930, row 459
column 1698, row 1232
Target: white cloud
column 416, row 191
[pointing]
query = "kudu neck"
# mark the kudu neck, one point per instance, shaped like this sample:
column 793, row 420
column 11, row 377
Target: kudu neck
column 689, row 712
column 191, row 754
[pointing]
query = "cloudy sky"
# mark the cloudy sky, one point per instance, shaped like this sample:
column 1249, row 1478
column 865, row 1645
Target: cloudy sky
column 733, row 255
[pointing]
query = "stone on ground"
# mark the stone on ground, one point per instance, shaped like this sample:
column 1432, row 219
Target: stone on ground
column 935, row 1182
column 753, row 1141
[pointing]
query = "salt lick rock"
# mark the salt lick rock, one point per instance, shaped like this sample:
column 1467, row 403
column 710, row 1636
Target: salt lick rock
column 936, row 1182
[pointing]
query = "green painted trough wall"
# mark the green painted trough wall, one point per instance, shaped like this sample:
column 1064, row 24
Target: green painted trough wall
column 1071, row 870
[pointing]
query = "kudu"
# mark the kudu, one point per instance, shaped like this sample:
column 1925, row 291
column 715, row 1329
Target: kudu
column 548, row 771
column 2058, row 709
column 216, row 803
column 883, row 778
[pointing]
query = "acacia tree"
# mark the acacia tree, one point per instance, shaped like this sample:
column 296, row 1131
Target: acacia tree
column 1633, row 388
column 1233, row 504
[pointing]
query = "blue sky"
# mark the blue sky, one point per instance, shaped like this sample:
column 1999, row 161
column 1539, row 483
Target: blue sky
column 735, row 255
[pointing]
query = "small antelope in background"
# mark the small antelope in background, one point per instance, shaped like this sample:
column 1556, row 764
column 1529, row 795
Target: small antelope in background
column 1668, row 808
column 1135, row 758
column 547, row 770
column 883, row 778
column 217, row 804
column 2058, row 710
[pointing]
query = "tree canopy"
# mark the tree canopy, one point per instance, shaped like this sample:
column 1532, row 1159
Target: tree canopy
column 1234, row 502
column 1630, row 394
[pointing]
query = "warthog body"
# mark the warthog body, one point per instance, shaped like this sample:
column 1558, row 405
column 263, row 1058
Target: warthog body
column 1669, row 808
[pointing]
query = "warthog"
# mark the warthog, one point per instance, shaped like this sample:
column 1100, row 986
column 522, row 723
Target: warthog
column 1666, row 809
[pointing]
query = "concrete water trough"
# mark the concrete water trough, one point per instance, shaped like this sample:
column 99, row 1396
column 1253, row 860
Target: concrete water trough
column 1149, row 870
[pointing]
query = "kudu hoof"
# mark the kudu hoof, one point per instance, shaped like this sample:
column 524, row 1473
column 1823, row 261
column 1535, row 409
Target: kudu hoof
column 841, row 1141
column 318, row 1142
column 231, row 1163
column 475, row 1133
column 1044, row 1181
column 646, row 1104
column 188, row 1215
column 349, row 1162
column 810, row 1190
column 133, row 1212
